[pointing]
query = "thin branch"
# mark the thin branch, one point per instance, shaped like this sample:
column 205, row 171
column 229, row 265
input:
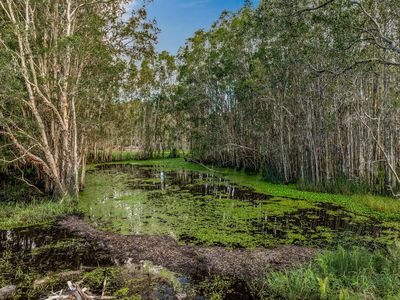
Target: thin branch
column 391, row 43
column 20, row 157
column 382, row 150
column 87, row 4
column 22, row 178
column 314, row 7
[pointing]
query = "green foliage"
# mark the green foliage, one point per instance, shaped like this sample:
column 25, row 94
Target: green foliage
column 41, row 106
column 339, row 186
column 215, row 287
column 33, row 213
column 286, row 88
column 355, row 273
column 94, row 280
column 378, row 203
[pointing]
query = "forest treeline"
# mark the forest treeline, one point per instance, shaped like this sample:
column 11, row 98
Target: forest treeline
column 303, row 91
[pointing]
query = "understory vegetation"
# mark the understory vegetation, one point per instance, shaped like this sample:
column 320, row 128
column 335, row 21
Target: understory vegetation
column 355, row 273
column 35, row 212
column 305, row 95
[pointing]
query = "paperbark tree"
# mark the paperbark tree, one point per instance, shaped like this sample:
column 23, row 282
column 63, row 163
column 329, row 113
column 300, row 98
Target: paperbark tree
column 305, row 91
column 57, row 50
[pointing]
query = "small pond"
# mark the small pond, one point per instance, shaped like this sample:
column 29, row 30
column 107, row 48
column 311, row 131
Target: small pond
column 207, row 209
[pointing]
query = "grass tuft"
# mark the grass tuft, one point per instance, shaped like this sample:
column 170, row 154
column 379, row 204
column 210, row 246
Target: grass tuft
column 379, row 203
column 36, row 212
column 356, row 273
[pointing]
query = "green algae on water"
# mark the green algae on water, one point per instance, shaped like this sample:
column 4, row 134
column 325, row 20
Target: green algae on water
column 199, row 207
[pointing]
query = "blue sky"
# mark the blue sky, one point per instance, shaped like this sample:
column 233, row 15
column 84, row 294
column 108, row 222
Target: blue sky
column 179, row 19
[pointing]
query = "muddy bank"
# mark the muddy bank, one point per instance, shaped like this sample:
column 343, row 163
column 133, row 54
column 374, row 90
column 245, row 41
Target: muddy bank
column 192, row 260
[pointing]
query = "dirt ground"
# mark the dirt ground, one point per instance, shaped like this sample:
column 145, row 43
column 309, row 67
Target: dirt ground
column 192, row 260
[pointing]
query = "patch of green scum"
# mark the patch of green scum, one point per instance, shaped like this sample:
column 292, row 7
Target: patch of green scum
column 281, row 206
column 195, row 219
column 113, row 205
column 383, row 208
column 16, row 215
column 213, row 180
column 103, row 184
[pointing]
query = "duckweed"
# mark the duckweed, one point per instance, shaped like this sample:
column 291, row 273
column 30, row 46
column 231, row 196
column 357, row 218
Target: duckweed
column 196, row 206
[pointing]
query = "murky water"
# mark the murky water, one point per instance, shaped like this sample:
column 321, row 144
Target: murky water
column 28, row 254
column 204, row 208
column 50, row 248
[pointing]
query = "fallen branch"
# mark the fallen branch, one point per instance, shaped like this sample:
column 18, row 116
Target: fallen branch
column 74, row 291
column 104, row 286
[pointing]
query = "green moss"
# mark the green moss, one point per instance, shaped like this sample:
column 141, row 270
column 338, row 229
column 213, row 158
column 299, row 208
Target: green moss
column 126, row 294
column 94, row 280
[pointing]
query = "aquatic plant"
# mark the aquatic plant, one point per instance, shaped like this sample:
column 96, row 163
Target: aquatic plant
column 259, row 184
column 201, row 207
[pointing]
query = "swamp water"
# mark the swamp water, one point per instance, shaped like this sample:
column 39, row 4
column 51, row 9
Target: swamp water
column 196, row 208
column 35, row 259
column 206, row 209
column 28, row 254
